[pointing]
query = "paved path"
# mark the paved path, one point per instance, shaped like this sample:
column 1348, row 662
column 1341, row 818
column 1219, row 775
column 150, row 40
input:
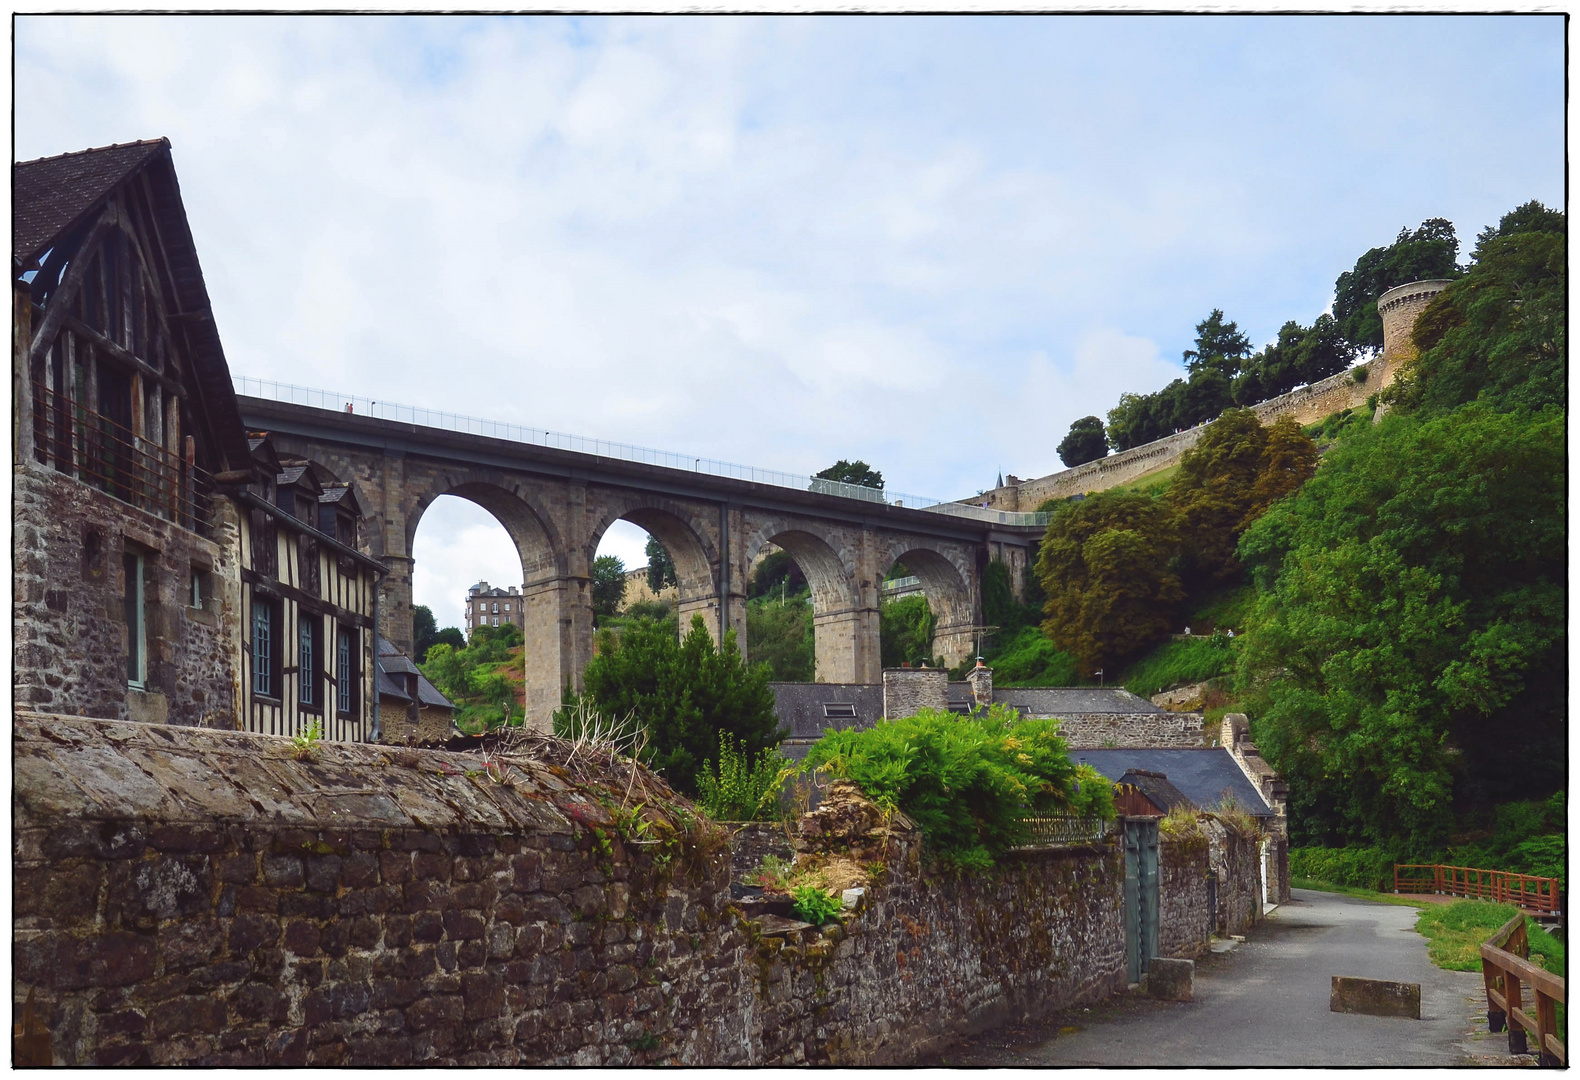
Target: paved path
column 1266, row 1003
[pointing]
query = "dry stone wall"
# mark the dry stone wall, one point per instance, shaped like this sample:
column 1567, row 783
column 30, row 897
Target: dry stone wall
column 1185, row 916
column 1093, row 731
column 189, row 896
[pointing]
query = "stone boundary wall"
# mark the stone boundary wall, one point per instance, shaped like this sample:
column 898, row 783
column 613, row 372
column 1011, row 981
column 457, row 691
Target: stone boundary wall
column 189, row 896
column 1191, row 906
column 1306, row 405
column 1185, row 918
column 1094, row 731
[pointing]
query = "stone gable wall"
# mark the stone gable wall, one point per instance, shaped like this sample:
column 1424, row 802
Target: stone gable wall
column 203, row 897
column 1094, row 731
column 68, row 616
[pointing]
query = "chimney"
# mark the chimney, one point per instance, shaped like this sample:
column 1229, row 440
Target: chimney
column 981, row 680
column 907, row 691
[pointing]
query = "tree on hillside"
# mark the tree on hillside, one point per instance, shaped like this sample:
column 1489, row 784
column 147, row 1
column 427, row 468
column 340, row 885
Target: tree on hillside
column 685, row 693
column 1498, row 334
column 1104, row 565
column 852, row 472
column 905, row 632
column 1301, row 355
column 660, row 567
column 780, row 636
column 1085, row 442
column 1428, row 252
column 1408, row 647
column 1219, row 345
column 1225, row 482
column 451, row 636
column 1532, row 217
column 777, row 568
column 608, row 584
column 424, row 631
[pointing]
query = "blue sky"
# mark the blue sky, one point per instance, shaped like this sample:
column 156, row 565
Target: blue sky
column 928, row 242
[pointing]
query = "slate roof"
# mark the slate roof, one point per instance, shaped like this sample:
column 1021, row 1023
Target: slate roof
column 1202, row 775
column 393, row 662
column 51, row 196
column 799, row 706
column 292, row 475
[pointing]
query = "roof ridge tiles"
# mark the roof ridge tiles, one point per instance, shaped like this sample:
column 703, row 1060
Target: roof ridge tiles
column 162, row 140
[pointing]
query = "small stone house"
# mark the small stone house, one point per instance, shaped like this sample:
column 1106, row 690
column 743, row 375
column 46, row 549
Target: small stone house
column 412, row 711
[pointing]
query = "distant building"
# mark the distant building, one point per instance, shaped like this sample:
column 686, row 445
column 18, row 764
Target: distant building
column 487, row 606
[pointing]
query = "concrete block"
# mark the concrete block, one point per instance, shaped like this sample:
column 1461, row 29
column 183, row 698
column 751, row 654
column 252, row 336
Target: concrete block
column 1171, row 980
column 1375, row 997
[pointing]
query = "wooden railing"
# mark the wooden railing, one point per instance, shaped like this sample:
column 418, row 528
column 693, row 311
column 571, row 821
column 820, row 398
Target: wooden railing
column 107, row 455
column 1538, row 895
column 1505, row 970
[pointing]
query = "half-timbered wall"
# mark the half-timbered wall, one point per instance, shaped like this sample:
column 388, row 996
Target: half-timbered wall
column 300, row 595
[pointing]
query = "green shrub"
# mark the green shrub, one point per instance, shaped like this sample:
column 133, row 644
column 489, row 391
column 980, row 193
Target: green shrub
column 1361, row 867
column 738, row 789
column 814, row 904
column 684, row 693
column 967, row 782
column 1174, row 663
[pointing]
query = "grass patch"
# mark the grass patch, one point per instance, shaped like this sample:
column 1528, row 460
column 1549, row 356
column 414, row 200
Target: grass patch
column 1457, row 930
column 1175, row 663
column 1027, row 658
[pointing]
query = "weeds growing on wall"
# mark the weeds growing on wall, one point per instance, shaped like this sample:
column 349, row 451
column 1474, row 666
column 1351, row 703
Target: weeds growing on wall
column 740, row 788
column 968, row 783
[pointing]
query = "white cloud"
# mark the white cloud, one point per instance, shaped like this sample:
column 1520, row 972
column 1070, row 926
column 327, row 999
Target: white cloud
column 926, row 243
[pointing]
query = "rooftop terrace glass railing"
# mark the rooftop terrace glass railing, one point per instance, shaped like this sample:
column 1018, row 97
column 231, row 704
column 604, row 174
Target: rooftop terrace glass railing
column 418, row 416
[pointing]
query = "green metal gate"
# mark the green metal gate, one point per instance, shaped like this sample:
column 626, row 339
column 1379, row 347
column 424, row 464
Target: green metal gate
column 1141, row 895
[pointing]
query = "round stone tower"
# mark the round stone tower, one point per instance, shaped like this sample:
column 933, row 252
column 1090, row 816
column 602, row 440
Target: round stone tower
column 1399, row 307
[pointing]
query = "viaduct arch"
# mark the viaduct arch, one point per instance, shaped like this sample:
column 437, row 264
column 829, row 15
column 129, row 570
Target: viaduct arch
column 557, row 504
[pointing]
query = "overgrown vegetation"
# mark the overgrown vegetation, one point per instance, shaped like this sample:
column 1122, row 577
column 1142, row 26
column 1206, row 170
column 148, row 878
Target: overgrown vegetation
column 739, row 788
column 685, row 694
column 485, row 679
column 1027, row 658
column 905, row 632
column 967, row 782
column 1177, row 662
column 779, row 633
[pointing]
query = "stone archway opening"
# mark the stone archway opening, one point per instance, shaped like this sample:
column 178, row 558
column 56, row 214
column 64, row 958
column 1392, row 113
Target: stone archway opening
column 841, row 624
column 484, row 559
column 687, row 574
column 779, row 616
column 927, row 610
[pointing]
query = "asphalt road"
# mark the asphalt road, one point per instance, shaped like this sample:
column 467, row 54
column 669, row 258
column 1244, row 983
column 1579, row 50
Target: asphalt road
column 1266, row 1004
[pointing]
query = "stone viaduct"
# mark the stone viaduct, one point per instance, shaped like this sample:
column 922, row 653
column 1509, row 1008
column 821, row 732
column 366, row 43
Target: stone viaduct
column 557, row 504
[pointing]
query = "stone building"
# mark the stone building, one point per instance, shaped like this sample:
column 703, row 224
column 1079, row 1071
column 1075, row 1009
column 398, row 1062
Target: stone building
column 126, row 598
column 166, row 567
column 412, row 711
column 493, row 606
